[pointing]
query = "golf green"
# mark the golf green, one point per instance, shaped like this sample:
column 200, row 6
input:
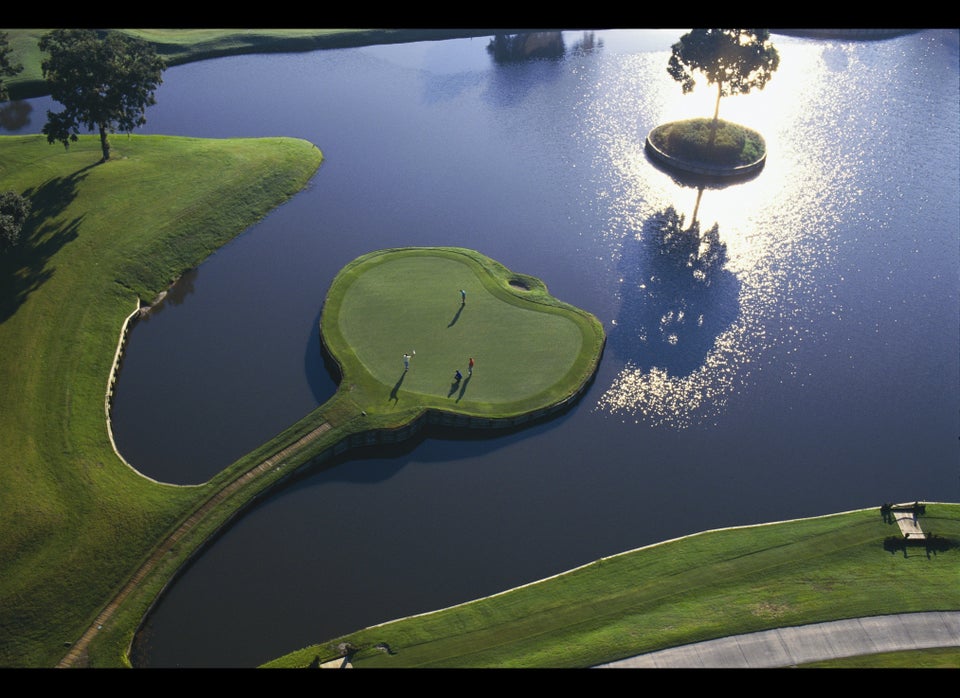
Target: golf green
column 530, row 349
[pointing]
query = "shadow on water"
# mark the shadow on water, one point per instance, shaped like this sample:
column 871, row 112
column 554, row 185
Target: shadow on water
column 26, row 267
column 175, row 295
column 690, row 180
column 677, row 297
column 378, row 463
column 323, row 376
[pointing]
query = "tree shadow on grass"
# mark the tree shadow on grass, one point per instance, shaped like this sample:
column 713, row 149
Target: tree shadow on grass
column 24, row 268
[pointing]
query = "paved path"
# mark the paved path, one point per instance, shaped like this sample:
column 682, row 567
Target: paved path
column 786, row 647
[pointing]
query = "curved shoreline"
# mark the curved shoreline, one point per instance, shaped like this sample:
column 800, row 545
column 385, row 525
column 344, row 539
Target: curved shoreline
column 128, row 324
column 357, row 299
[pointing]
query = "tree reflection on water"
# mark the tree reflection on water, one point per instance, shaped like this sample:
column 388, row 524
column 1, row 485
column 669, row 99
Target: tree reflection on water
column 677, row 297
column 513, row 48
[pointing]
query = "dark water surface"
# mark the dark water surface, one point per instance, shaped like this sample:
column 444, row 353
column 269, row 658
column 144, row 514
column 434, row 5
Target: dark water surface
column 819, row 372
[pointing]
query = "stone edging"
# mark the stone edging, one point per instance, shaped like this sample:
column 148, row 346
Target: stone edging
column 704, row 170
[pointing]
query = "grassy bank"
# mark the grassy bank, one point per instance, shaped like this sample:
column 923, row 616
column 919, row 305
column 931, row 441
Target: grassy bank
column 75, row 520
column 180, row 46
column 696, row 588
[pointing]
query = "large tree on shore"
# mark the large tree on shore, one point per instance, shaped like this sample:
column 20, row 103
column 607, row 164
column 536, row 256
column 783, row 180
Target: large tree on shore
column 735, row 60
column 7, row 67
column 104, row 83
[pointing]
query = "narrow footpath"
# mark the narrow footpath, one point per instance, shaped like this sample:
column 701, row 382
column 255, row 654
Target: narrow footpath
column 77, row 656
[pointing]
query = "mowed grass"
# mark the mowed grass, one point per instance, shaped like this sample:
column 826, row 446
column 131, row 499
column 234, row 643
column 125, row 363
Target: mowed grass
column 179, row 46
column 700, row 587
column 530, row 350
column 75, row 521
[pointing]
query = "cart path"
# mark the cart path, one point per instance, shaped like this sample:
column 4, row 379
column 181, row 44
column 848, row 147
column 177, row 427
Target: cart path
column 77, row 656
column 790, row 647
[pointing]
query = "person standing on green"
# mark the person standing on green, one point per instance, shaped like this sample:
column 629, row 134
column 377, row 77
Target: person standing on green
column 463, row 297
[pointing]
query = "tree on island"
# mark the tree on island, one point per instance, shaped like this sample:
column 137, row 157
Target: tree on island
column 105, row 84
column 7, row 67
column 735, row 60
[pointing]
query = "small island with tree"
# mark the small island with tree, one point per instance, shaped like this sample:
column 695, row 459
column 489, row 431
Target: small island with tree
column 736, row 61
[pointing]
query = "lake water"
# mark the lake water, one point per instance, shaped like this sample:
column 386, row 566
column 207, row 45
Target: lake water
column 819, row 372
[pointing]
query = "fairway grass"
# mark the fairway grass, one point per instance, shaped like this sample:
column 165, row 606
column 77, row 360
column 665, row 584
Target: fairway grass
column 75, row 520
column 531, row 350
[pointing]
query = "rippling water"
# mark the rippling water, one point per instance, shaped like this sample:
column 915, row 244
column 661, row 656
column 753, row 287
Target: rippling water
column 784, row 228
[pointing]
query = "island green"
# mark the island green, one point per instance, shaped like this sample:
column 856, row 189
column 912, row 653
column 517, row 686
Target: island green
column 532, row 351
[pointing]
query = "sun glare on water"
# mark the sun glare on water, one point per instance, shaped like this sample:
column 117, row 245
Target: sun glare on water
column 776, row 226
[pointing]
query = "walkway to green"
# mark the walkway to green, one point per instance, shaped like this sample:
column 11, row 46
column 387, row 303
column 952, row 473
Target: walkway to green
column 76, row 657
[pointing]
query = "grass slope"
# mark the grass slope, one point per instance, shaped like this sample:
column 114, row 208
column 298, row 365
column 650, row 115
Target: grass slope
column 75, row 520
column 696, row 588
